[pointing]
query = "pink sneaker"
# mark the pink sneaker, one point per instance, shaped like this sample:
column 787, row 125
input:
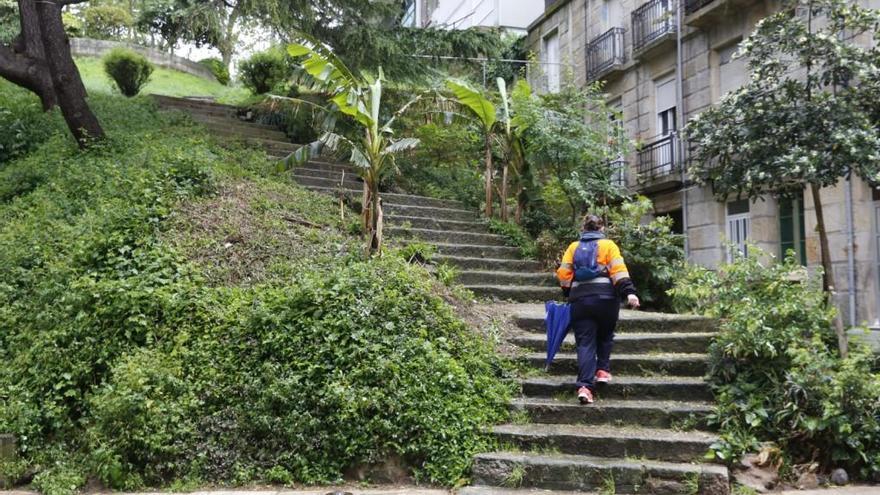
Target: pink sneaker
column 603, row 376
column 585, row 395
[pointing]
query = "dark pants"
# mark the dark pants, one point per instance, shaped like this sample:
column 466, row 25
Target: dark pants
column 593, row 320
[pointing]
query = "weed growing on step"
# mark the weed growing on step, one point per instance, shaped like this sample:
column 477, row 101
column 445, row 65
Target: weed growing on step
column 515, row 477
column 691, row 484
column 609, row 485
column 446, row 274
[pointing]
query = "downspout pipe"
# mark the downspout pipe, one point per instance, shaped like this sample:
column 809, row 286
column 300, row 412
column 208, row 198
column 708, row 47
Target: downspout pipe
column 850, row 252
column 679, row 110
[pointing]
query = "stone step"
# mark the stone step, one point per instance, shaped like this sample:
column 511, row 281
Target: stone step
column 236, row 130
column 328, row 165
column 194, row 103
column 454, row 214
column 434, row 223
column 574, row 472
column 623, row 387
column 645, row 413
column 607, row 441
column 320, row 182
column 631, row 364
column 477, row 251
column 532, row 319
column 484, row 264
column 627, row 343
column 491, row 490
column 234, row 121
column 499, row 277
column 309, row 170
column 448, row 236
column 391, row 201
column 517, row 293
column 201, row 111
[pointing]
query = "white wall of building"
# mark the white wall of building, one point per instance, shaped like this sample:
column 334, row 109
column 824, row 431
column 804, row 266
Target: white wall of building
column 462, row 14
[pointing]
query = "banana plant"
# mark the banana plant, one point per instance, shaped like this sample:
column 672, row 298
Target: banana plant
column 359, row 98
column 484, row 110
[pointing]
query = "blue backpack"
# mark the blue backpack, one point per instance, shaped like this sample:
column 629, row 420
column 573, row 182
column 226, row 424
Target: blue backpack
column 586, row 266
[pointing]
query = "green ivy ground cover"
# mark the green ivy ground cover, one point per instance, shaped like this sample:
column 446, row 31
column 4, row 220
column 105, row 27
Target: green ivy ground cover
column 166, row 316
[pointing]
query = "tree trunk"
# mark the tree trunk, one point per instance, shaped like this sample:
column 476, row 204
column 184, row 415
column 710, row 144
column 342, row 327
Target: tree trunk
column 827, row 267
column 488, row 175
column 227, row 45
column 40, row 61
column 65, row 77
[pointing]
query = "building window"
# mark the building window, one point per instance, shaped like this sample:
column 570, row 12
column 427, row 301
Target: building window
column 791, row 227
column 409, row 13
column 677, row 217
column 611, row 14
column 665, row 96
column 738, row 226
column 732, row 73
column 551, row 61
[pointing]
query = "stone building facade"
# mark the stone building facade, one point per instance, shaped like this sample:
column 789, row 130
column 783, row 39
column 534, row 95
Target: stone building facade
column 633, row 46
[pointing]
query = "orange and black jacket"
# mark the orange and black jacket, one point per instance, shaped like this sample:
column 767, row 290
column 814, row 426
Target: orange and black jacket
column 615, row 277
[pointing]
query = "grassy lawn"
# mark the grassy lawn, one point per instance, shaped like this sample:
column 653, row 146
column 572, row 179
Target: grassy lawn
column 163, row 82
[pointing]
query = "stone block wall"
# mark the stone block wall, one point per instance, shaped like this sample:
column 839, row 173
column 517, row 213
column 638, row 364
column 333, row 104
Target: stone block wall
column 86, row 47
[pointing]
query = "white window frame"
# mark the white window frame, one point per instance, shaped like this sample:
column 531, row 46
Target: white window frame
column 552, row 70
column 739, row 226
column 663, row 112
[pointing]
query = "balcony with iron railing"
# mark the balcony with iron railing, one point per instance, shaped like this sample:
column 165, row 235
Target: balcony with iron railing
column 653, row 26
column 658, row 166
column 704, row 13
column 606, row 54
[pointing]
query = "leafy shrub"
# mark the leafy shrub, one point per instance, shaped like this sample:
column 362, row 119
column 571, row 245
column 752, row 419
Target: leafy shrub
column 515, row 236
column 9, row 23
column 128, row 70
column 776, row 371
column 220, row 71
column 654, row 254
column 122, row 363
column 106, row 22
column 445, row 165
column 73, row 26
column 263, row 71
column 25, row 125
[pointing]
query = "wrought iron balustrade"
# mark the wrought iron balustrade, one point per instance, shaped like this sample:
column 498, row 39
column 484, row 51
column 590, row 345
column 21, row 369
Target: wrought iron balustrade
column 657, row 159
column 652, row 21
column 605, row 52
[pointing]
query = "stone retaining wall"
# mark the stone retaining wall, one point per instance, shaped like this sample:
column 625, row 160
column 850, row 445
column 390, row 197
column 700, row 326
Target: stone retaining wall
column 86, row 47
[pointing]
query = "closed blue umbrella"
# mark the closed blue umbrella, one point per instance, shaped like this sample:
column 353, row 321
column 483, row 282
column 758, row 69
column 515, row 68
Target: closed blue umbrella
column 557, row 321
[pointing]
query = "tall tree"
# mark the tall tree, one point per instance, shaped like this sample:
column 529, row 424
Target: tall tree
column 807, row 116
column 367, row 34
column 39, row 59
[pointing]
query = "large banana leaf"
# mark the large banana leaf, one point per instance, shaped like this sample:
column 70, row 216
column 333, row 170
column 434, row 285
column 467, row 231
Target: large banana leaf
column 481, row 106
column 401, row 145
column 505, row 106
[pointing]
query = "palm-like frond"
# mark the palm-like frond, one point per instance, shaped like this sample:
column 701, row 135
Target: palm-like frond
column 481, row 106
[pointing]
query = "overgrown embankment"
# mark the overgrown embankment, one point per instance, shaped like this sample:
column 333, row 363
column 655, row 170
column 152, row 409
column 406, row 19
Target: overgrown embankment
column 169, row 312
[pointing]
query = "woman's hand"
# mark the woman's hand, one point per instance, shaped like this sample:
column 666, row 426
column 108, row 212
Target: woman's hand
column 633, row 301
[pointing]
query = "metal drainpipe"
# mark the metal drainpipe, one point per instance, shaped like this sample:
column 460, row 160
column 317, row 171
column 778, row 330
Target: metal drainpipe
column 679, row 89
column 850, row 255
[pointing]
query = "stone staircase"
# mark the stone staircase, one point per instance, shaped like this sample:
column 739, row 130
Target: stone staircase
column 485, row 263
column 646, row 433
